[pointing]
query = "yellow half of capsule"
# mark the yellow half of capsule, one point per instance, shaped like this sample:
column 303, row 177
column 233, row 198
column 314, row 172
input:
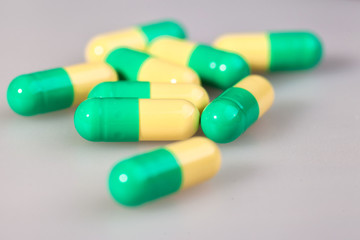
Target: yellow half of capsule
column 193, row 93
column 86, row 76
column 181, row 50
column 162, row 120
column 100, row 46
column 261, row 89
column 199, row 159
column 157, row 70
column 254, row 48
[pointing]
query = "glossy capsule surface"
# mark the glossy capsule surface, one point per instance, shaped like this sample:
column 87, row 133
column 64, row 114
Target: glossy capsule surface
column 137, row 37
column 126, row 89
column 125, row 119
column 215, row 67
column 163, row 171
column 236, row 109
column 134, row 65
column 56, row 89
column 274, row 51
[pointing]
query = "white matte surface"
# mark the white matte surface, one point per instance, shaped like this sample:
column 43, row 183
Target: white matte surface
column 295, row 174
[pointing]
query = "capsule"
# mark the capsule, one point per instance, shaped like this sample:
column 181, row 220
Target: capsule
column 215, row 67
column 190, row 92
column 138, row 66
column 230, row 114
column 275, row 51
column 163, row 171
column 137, row 37
column 56, row 89
column 131, row 119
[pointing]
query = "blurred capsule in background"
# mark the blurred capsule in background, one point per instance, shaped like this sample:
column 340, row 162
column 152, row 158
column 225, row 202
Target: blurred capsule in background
column 137, row 37
column 215, row 67
column 131, row 119
column 236, row 109
column 126, row 89
column 56, row 89
column 274, row 51
column 163, row 171
column 134, row 65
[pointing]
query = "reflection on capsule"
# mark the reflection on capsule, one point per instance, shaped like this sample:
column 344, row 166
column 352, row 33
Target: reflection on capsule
column 163, row 171
column 126, row 119
column 237, row 108
column 125, row 89
column 215, row 67
column 275, row 51
column 56, row 89
column 137, row 37
column 138, row 66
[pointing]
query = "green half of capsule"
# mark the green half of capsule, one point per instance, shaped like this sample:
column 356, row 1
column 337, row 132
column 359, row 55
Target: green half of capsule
column 229, row 115
column 40, row 92
column 168, row 28
column 294, row 50
column 145, row 177
column 127, row 62
column 121, row 89
column 108, row 119
column 163, row 171
column 218, row 68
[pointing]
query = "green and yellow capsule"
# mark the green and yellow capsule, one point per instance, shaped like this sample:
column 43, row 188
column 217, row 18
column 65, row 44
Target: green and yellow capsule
column 56, row 89
column 126, row 89
column 137, row 37
column 164, row 171
column 134, row 65
column 131, row 119
column 236, row 109
column 215, row 67
column 275, row 51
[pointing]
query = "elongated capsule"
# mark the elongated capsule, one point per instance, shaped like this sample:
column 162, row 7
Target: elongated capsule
column 236, row 109
column 137, row 37
column 215, row 67
column 274, row 51
column 126, row 119
column 134, row 65
column 124, row 89
column 56, row 89
column 163, row 171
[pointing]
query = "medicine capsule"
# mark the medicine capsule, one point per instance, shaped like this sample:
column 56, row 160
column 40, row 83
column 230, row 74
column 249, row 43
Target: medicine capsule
column 137, row 37
column 126, row 119
column 138, row 66
column 123, row 89
column 163, row 171
column 56, row 89
column 215, row 67
column 230, row 114
column 275, row 51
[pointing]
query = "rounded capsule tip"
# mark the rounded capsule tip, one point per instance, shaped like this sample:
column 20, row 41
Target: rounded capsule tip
column 126, row 183
column 85, row 120
column 223, row 121
column 232, row 70
column 22, row 96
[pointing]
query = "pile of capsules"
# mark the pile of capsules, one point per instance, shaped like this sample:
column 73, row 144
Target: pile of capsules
column 159, row 98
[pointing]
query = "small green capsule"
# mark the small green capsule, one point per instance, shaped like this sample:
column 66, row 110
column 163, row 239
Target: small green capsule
column 274, row 51
column 131, row 119
column 133, row 65
column 215, row 67
column 137, row 38
column 236, row 109
column 40, row 92
column 164, row 171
